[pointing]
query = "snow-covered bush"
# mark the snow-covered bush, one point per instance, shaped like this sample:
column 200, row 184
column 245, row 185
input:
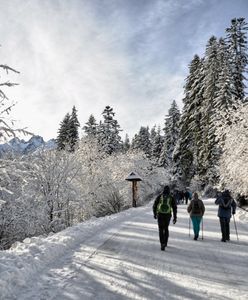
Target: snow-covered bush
column 51, row 190
column 53, row 187
column 104, row 176
column 16, row 218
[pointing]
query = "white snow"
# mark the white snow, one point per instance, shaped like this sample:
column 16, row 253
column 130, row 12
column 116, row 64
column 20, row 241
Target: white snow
column 119, row 257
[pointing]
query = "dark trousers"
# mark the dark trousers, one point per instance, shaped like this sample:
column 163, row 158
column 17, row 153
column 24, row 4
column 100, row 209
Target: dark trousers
column 163, row 226
column 225, row 228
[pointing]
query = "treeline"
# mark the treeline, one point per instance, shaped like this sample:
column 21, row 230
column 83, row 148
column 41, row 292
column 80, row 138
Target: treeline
column 214, row 92
column 156, row 146
column 193, row 145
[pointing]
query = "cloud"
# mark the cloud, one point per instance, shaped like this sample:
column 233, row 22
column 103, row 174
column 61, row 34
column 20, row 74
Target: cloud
column 131, row 55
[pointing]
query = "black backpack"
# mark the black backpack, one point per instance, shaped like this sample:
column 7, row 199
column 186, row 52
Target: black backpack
column 196, row 208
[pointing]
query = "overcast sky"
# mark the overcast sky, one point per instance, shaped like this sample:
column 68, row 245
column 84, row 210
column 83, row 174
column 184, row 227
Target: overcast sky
column 130, row 54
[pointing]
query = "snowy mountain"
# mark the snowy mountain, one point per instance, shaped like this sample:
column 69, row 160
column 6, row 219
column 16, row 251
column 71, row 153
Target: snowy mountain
column 20, row 146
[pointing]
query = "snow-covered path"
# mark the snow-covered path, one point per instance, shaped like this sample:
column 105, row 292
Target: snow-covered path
column 120, row 258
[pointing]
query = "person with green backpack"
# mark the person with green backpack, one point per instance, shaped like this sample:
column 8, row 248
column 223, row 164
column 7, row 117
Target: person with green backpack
column 163, row 207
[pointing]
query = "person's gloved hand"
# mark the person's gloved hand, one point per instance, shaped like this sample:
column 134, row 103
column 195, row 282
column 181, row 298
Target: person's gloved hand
column 155, row 217
column 233, row 212
column 174, row 220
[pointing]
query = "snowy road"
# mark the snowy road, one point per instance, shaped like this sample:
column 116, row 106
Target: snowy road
column 121, row 259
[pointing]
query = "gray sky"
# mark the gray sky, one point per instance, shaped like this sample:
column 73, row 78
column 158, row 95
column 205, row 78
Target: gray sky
column 130, row 54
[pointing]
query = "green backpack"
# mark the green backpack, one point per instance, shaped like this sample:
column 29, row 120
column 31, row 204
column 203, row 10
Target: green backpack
column 164, row 205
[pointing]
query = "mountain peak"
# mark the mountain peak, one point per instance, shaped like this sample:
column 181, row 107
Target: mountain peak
column 20, row 146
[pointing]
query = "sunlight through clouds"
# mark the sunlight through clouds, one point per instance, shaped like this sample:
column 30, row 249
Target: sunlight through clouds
column 131, row 55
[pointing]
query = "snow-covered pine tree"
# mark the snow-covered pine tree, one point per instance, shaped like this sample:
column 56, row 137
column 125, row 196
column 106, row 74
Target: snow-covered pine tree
column 171, row 135
column 73, row 130
column 225, row 103
column 134, row 143
column 209, row 149
column 156, row 145
column 142, row 141
column 237, row 45
column 90, row 127
column 186, row 153
column 68, row 137
column 153, row 134
column 63, row 139
column 108, row 133
column 126, row 144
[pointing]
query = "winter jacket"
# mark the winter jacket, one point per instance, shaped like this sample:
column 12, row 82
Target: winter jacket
column 227, row 206
column 173, row 205
column 196, row 208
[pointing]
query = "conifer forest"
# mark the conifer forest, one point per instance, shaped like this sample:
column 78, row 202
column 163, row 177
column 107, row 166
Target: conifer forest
column 202, row 147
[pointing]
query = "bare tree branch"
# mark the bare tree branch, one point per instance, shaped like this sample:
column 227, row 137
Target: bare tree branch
column 7, row 68
column 9, row 84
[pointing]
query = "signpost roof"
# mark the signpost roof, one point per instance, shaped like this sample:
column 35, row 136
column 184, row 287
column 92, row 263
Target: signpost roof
column 133, row 177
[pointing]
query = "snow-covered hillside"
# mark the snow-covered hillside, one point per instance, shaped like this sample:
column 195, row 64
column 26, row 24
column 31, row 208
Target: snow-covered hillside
column 119, row 257
column 20, row 146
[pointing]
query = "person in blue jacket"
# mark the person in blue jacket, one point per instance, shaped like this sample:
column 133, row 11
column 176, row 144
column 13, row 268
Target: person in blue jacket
column 227, row 207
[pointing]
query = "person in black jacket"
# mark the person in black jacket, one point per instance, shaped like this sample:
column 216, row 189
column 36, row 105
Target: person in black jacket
column 227, row 207
column 163, row 207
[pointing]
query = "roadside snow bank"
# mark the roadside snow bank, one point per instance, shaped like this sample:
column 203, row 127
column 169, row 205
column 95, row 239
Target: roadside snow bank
column 23, row 260
column 243, row 215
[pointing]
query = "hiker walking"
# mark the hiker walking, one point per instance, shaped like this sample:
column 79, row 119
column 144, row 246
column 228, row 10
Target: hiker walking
column 196, row 210
column 187, row 196
column 227, row 207
column 163, row 207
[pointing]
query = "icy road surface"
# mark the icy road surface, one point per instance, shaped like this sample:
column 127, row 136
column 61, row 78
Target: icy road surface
column 119, row 257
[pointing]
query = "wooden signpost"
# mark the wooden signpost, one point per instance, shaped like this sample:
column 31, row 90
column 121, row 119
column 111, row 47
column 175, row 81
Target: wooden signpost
column 134, row 178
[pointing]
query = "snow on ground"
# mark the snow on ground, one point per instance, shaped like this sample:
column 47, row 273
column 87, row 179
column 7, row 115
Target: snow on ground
column 119, row 257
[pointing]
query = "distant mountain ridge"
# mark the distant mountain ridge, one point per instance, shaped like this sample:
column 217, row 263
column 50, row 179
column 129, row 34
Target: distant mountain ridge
column 19, row 146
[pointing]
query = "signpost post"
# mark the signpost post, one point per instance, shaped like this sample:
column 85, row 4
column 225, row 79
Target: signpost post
column 134, row 178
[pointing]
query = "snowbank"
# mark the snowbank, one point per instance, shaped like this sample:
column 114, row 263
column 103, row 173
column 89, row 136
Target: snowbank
column 20, row 265
column 242, row 215
column 23, row 260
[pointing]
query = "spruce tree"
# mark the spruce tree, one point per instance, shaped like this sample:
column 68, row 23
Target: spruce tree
column 224, row 101
column 68, row 132
column 126, row 144
column 210, row 153
column 156, row 145
column 186, row 153
column 237, row 46
column 171, row 136
column 90, row 127
column 73, row 130
column 153, row 134
column 109, row 130
column 63, row 133
column 142, row 141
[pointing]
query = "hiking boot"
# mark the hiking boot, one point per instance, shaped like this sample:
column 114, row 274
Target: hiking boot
column 196, row 237
column 223, row 240
column 163, row 247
